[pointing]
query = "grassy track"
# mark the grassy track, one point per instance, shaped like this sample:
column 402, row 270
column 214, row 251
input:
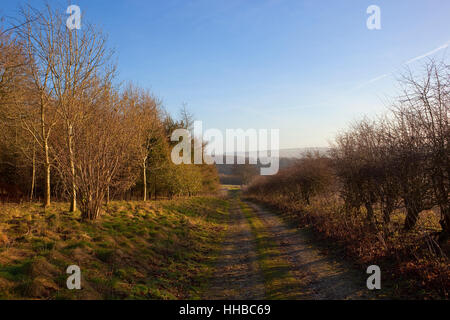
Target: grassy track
column 279, row 282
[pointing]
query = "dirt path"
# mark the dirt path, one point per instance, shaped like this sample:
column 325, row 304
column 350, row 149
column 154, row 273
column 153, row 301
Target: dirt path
column 322, row 277
column 294, row 268
column 237, row 275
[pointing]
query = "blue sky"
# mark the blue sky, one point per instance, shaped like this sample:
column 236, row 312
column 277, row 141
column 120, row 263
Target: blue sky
column 304, row 67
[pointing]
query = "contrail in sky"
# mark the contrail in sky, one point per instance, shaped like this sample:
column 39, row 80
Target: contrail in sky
column 444, row 46
column 428, row 53
column 372, row 80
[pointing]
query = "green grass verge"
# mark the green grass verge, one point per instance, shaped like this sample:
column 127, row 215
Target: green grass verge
column 136, row 250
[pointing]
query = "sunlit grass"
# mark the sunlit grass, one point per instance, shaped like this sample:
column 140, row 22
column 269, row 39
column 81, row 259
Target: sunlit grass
column 135, row 250
column 279, row 282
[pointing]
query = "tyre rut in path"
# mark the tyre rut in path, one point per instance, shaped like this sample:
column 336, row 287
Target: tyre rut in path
column 237, row 275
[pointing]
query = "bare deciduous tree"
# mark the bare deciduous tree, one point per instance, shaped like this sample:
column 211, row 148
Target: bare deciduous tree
column 65, row 63
column 103, row 158
column 32, row 104
column 144, row 121
column 423, row 112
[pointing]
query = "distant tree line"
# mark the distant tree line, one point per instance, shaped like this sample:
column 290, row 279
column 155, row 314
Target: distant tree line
column 238, row 174
column 398, row 161
column 68, row 132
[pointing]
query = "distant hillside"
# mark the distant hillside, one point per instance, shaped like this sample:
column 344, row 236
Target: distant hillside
column 286, row 157
column 299, row 152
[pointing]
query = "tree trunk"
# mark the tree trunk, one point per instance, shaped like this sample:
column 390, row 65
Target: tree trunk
column 445, row 223
column 33, row 175
column 411, row 218
column 73, row 190
column 144, row 172
column 388, row 207
column 91, row 209
column 107, row 195
column 387, row 215
column 73, row 198
column 155, row 188
column 47, row 200
column 369, row 210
